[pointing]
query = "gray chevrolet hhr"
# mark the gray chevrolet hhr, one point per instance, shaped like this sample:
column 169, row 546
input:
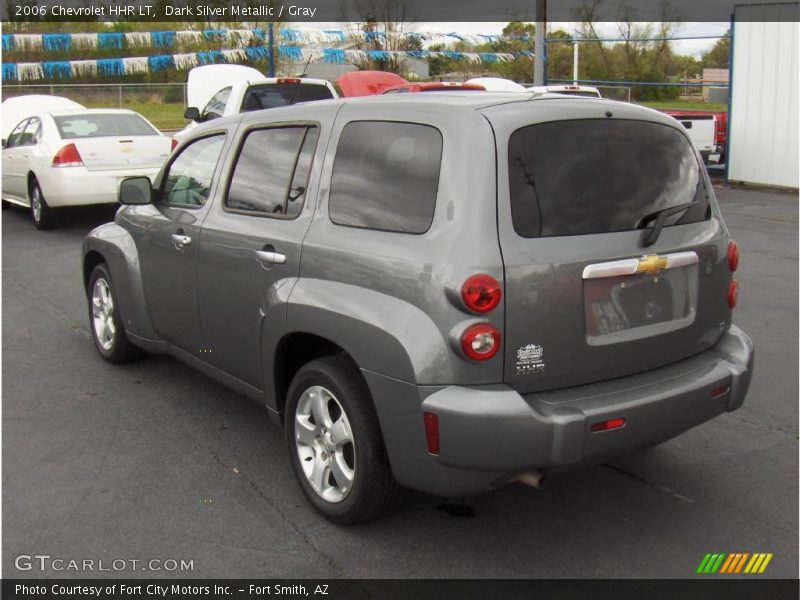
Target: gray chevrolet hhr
column 446, row 292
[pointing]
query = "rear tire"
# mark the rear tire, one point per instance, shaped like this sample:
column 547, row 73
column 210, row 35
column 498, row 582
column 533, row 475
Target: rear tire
column 108, row 331
column 335, row 443
column 42, row 215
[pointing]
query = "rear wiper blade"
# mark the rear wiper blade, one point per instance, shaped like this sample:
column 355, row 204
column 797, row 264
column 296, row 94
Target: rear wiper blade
column 651, row 235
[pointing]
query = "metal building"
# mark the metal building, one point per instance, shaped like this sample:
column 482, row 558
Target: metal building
column 763, row 142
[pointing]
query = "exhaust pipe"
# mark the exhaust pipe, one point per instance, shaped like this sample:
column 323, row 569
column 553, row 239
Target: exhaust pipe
column 534, row 479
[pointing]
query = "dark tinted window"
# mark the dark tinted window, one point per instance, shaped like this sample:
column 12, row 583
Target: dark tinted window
column 269, row 161
column 386, row 176
column 601, row 175
column 188, row 179
column 582, row 94
column 272, row 95
column 102, row 125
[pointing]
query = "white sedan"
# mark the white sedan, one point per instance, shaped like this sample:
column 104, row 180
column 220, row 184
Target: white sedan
column 76, row 157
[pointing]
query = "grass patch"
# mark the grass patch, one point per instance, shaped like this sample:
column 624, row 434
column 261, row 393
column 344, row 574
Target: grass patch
column 169, row 116
column 683, row 105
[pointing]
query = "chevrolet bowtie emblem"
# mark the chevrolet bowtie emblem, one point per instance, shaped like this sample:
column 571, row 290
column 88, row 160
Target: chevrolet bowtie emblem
column 652, row 264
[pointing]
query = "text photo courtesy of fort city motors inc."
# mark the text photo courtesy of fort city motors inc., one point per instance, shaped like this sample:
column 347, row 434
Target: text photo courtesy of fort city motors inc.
column 366, row 298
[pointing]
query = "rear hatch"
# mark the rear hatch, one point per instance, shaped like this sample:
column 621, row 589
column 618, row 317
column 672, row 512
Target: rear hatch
column 367, row 83
column 588, row 296
column 113, row 140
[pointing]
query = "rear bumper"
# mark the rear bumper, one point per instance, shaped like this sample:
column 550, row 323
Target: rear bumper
column 77, row 186
column 489, row 434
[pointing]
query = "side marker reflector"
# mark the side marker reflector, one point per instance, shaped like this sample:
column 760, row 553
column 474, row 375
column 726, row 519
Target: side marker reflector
column 432, row 432
column 607, row 425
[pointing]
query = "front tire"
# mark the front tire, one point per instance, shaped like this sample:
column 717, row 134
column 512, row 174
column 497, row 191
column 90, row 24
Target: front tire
column 335, row 443
column 42, row 215
column 108, row 331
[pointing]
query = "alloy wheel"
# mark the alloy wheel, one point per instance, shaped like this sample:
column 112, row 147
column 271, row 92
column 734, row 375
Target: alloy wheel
column 325, row 445
column 103, row 314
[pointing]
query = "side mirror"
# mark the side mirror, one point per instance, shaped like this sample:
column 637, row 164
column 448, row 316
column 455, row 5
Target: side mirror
column 135, row 191
column 192, row 113
column 5, row 143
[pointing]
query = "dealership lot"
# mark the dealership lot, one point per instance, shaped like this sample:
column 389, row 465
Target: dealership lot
column 154, row 461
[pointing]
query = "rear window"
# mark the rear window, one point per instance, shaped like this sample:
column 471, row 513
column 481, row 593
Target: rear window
column 386, row 176
column 273, row 95
column 601, row 175
column 102, row 125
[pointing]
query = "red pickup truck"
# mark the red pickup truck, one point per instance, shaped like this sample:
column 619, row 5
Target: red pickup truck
column 708, row 130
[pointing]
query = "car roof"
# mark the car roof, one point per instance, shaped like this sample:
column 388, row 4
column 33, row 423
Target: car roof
column 91, row 111
column 454, row 100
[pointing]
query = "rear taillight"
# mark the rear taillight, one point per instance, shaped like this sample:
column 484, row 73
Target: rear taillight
column 432, row 432
column 481, row 293
column 288, row 80
column 481, row 341
column 174, row 144
column 733, row 293
column 68, row 156
column 721, row 129
column 733, row 256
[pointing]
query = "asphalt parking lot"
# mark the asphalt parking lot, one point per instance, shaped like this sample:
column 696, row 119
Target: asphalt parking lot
column 154, row 461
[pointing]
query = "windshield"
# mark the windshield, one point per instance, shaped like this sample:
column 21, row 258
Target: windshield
column 102, row 125
column 272, row 95
column 601, row 175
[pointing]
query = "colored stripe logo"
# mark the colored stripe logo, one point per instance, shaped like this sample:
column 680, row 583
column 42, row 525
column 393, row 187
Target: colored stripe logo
column 735, row 563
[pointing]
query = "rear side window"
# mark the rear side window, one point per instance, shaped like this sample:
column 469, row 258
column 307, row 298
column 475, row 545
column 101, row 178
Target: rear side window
column 386, row 176
column 272, row 95
column 271, row 172
column 601, row 175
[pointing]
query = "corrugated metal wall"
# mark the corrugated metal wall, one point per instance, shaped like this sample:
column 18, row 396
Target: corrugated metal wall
column 763, row 145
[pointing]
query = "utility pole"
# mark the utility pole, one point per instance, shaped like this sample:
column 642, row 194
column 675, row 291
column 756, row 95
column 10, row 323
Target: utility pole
column 271, row 41
column 539, row 49
column 575, row 46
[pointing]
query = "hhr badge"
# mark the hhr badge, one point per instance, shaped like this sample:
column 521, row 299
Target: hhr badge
column 529, row 360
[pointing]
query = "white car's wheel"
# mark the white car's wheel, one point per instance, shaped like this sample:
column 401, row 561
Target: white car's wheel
column 42, row 215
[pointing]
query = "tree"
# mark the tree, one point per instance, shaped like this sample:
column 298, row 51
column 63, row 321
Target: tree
column 383, row 22
column 717, row 57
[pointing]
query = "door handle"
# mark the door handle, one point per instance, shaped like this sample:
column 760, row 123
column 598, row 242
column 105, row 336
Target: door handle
column 180, row 240
column 270, row 257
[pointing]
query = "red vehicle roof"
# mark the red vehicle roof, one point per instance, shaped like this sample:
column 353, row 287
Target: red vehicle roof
column 367, row 83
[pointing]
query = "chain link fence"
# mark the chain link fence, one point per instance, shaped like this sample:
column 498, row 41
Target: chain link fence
column 105, row 95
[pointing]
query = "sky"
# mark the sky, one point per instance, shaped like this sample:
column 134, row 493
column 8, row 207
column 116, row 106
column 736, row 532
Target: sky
column 687, row 47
